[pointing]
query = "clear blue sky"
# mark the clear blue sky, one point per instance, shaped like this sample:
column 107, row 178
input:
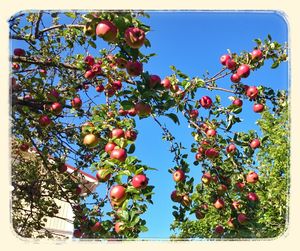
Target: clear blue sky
column 194, row 42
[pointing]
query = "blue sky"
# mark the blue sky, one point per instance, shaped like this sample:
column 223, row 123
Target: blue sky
column 194, row 42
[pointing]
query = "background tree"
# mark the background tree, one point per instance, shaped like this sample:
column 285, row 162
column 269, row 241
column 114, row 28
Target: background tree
column 57, row 115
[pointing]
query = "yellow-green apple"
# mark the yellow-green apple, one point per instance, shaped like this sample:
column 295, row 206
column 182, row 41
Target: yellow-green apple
column 90, row 140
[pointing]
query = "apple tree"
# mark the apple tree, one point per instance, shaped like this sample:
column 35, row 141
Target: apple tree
column 78, row 87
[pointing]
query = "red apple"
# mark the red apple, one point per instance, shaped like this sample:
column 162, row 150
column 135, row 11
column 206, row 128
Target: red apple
column 89, row 60
column 198, row 156
column 252, row 177
column 258, row 108
column 236, row 205
column 219, row 230
column 206, row 102
column 118, row 154
column 44, row 121
column 96, row 69
column 118, row 193
column 53, row 95
column 252, row 197
column 255, row 143
column 166, row 83
column 134, row 37
column 96, row 227
column 178, row 175
column 235, row 78
column 242, row 218
column 89, row 74
column 134, row 68
column 117, row 133
column 132, row 112
column 139, row 181
column 154, row 80
column 122, row 112
column 90, row 140
column 142, row 109
column 131, row 135
column 175, row 196
column 219, row 203
column 237, row 102
column 15, row 66
column 99, row 88
column 224, row 58
column 240, row 186
column 118, row 226
column 56, row 108
column 231, row 64
column 243, row 71
column 211, row 153
column 231, row 148
column 186, row 201
column 206, row 178
column 63, row 168
column 24, row 147
column 230, row 223
column 103, row 175
column 19, row 52
column 252, row 92
column 121, row 62
column 211, row 133
column 107, row 30
column 77, row 233
column 76, row 103
column 256, row 54
column 194, row 114
column 117, row 85
column 110, row 92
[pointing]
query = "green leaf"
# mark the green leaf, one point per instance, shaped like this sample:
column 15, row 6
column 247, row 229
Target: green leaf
column 173, row 117
column 143, row 228
column 131, row 148
column 91, row 43
column 140, row 170
column 70, row 14
column 126, row 104
column 275, row 65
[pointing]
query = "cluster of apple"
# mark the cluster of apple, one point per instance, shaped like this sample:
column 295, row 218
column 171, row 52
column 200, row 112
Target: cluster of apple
column 243, row 71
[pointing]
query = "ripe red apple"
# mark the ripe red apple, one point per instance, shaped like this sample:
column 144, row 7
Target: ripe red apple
column 118, row 193
column 231, row 148
column 255, row 143
column 211, row 133
column 122, row 112
column 175, row 196
column 103, row 175
column 252, row 92
column 235, row 78
column 142, row 109
column 107, row 30
column 96, row 227
column 134, row 68
column 231, row 64
column 206, row 102
column 19, row 52
column 56, row 108
column 193, row 114
column 132, row 112
column 117, row 85
column 15, row 66
column 256, row 54
column 206, row 178
column 252, row 177
column 219, row 203
column 90, row 140
column 89, row 74
column 219, row 230
column 53, row 95
column 77, row 233
column 117, row 133
column 243, row 71
column 154, row 80
column 178, row 175
column 118, row 154
column 198, row 156
column 44, row 121
column 221, row 189
column 224, row 58
column 186, row 201
column 237, row 102
column 139, row 181
column 199, row 215
column 258, row 108
column 63, row 168
column 166, row 83
column 99, row 88
column 135, row 37
column 118, row 227
column 24, row 147
column 89, row 60
column 76, row 103
column 211, row 153
column 131, row 135
column 252, row 197
column 121, row 62
column 242, row 218
column 240, row 186
column 96, row 69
